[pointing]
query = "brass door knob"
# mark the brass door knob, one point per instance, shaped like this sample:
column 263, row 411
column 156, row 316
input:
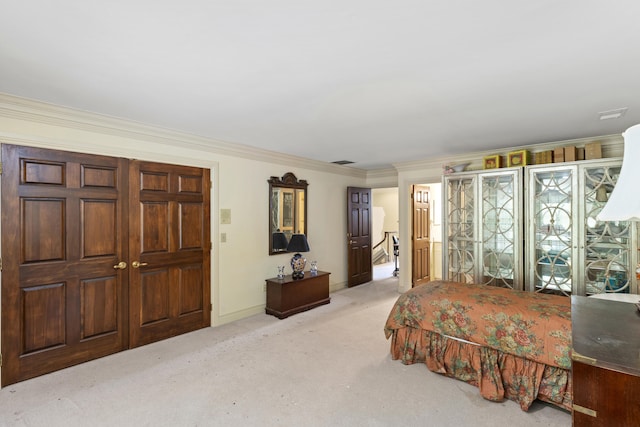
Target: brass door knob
column 120, row 266
column 137, row 264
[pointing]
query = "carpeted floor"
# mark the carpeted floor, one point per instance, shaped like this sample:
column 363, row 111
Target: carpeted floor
column 326, row 367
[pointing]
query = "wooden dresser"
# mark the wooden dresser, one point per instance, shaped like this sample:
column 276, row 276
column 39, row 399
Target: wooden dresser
column 287, row 296
column 606, row 362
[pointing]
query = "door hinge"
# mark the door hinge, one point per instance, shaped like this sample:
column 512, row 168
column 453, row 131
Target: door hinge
column 0, row 264
column 0, row 360
column 0, row 168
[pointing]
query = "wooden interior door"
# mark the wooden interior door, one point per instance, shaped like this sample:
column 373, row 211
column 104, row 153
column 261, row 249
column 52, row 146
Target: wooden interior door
column 360, row 266
column 99, row 254
column 170, row 251
column 63, row 230
column 421, row 237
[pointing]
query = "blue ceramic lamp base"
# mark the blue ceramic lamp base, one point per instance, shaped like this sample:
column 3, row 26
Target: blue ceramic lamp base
column 298, row 263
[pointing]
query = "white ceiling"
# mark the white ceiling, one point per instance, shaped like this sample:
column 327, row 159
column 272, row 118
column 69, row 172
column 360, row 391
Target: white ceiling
column 373, row 81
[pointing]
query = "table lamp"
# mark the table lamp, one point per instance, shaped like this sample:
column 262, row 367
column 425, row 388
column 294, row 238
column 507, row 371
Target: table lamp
column 624, row 203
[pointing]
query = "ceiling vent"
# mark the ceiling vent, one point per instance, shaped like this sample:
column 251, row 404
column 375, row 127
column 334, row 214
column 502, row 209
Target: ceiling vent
column 612, row 114
column 343, row 162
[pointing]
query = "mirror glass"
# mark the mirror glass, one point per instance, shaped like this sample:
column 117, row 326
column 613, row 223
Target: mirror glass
column 287, row 210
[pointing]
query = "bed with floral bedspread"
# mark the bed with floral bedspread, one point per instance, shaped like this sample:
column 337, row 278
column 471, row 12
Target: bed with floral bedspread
column 510, row 344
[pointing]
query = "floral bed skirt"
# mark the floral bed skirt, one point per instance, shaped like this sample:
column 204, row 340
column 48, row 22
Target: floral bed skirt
column 498, row 375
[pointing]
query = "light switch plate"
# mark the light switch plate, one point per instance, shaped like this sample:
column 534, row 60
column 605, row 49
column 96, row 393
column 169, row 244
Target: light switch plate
column 225, row 216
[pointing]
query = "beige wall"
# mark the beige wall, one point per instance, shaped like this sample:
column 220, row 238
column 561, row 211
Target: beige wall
column 387, row 200
column 241, row 264
column 239, row 174
column 244, row 262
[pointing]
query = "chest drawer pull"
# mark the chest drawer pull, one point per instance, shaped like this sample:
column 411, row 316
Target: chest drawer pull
column 586, row 411
column 583, row 359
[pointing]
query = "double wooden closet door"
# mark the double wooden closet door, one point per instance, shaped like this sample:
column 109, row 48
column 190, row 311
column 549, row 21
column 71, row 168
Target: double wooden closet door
column 99, row 254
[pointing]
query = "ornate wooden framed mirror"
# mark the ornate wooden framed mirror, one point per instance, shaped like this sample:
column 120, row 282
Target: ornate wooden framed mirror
column 287, row 210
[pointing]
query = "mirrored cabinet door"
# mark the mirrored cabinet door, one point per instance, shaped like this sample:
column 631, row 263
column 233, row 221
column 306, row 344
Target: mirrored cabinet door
column 483, row 226
column 501, row 229
column 568, row 250
column 551, row 209
column 459, row 254
column 608, row 258
column 550, row 242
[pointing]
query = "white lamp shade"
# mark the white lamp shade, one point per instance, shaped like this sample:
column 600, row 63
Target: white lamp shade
column 624, row 201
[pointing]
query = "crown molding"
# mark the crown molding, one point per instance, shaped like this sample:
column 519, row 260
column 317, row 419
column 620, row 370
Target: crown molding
column 50, row 114
column 41, row 112
column 380, row 178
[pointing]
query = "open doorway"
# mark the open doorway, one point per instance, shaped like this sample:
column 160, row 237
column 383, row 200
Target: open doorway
column 386, row 223
column 384, row 227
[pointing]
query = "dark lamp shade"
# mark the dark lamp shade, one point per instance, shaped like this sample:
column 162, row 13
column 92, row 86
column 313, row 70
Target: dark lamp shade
column 298, row 243
column 279, row 241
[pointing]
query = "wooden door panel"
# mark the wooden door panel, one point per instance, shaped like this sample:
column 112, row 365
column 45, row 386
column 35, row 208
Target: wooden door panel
column 43, row 318
column 360, row 267
column 154, row 181
column 355, row 261
column 421, row 264
column 360, row 258
column 355, row 226
column 190, row 184
column 99, row 218
column 421, row 239
column 170, row 236
column 95, row 176
column 189, row 289
column 42, row 172
column 99, row 308
column 63, row 226
column 191, row 226
column 66, row 227
column 43, row 230
column 155, row 220
column 154, row 297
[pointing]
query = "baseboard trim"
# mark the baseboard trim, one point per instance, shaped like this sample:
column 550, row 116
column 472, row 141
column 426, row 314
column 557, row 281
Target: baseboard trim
column 337, row 286
column 260, row 309
column 240, row 314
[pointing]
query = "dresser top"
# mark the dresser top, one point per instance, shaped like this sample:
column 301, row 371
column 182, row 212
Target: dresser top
column 307, row 276
column 606, row 333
